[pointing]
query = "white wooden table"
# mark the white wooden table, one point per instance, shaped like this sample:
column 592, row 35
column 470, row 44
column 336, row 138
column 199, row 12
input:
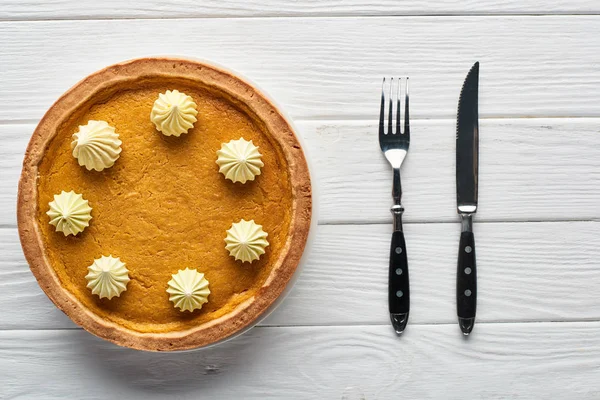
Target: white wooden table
column 538, row 331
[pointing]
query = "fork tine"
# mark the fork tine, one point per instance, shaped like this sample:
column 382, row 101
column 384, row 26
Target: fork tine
column 382, row 112
column 390, row 126
column 406, row 117
column 398, row 131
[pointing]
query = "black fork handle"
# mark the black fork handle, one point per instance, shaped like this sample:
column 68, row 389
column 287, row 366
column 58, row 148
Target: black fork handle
column 398, row 281
column 399, row 289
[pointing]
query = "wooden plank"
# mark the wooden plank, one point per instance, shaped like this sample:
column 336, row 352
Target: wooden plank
column 328, row 67
column 527, row 271
column 528, row 170
column 527, row 167
column 15, row 139
column 500, row 361
column 63, row 9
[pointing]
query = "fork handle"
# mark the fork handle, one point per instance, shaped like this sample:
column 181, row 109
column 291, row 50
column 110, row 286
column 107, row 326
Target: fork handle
column 398, row 284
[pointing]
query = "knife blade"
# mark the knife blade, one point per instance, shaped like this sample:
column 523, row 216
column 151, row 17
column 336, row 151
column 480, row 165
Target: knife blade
column 467, row 165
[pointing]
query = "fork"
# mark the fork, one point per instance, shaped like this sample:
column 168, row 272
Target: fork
column 394, row 146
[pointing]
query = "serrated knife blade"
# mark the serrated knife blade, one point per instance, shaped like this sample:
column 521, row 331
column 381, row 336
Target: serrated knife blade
column 467, row 166
column 467, row 143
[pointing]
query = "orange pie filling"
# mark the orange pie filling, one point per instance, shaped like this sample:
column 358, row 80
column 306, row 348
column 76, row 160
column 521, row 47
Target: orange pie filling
column 164, row 207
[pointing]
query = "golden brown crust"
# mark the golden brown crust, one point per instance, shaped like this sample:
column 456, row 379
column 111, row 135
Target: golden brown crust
column 285, row 266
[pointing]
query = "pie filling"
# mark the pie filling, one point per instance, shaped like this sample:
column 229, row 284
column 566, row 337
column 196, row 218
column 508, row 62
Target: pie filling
column 163, row 207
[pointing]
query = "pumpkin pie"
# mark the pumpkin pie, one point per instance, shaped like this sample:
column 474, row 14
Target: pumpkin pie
column 161, row 206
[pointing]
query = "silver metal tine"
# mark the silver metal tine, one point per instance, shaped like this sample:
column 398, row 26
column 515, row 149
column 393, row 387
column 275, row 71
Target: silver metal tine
column 390, row 126
column 382, row 112
column 393, row 103
column 398, row 107
column 406, row 117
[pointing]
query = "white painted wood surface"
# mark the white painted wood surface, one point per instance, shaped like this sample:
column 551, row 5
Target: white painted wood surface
column 110, row 9
column 503, row 361
column 538, row 229
column 328, row 68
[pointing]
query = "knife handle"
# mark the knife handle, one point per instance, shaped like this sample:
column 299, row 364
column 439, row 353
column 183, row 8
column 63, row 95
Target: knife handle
column 398, row 287
column 466, row 282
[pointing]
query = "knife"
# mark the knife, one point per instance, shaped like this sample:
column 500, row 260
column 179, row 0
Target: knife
column 467, row 165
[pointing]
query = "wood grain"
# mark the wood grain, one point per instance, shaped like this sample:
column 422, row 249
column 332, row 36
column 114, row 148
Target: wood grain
column 62, row 9
column 527, row 271
column 328, row 68
column 528, row 170
column 500, row 361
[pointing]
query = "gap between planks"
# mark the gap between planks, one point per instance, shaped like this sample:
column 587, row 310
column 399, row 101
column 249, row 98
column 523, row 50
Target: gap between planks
column 476, row 221
column 362, row 119
column 386, row 222
column 290, row 15
column 357, row 325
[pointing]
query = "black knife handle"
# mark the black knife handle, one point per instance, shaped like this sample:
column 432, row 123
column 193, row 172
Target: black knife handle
column 466, row 283
column 398, row 287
